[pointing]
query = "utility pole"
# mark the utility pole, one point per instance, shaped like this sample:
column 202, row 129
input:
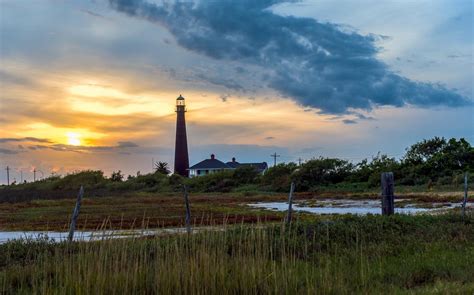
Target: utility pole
column 8, row 175
column 275, row 156
column 299, row 161
column 34, row 174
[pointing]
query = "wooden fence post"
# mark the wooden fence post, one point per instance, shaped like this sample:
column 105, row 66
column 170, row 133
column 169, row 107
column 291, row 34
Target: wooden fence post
column 75, row 214
column 290, row 203
column 387, row 193
column 464, row 202
column 188, row 210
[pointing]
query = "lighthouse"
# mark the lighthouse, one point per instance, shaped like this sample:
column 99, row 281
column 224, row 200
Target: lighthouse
column 181, row 158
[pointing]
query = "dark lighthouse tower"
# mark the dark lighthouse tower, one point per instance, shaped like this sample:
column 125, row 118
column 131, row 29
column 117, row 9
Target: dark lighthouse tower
column 181, row 158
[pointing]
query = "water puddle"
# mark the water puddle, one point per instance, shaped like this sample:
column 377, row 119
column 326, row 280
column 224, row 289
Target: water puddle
column 358, row 207
column 95, row 235
column 324, row 206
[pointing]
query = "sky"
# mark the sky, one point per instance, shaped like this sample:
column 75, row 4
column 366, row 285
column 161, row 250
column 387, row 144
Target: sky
column 93, row 84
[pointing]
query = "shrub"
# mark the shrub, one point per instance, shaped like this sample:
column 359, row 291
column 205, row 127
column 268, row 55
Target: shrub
column 277, row 178
column 245, row 175
column 322, row 171
column 88, row 179
column 214, row 182
column 116, row 176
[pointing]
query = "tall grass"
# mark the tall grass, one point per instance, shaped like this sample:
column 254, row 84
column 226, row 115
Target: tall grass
column 372, row 254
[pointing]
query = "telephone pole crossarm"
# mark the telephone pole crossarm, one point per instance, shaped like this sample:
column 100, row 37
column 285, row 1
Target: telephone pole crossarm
column 274, row 156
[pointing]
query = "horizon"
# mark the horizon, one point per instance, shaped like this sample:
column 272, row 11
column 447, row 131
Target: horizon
column 92, row 85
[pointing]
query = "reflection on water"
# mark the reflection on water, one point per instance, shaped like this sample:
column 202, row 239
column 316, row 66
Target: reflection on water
column 326, row 206
column 358, row 207
column 92, row 235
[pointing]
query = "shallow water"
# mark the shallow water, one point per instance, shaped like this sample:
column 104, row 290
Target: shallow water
column 325, row 206
column 358, row 207
column 91, row 235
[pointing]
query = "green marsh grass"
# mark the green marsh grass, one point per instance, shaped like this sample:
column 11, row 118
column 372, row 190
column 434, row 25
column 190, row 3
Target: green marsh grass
column 345, row 255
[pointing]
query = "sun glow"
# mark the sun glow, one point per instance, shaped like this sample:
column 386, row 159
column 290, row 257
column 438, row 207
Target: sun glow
column 78, row 136
column 73, row 138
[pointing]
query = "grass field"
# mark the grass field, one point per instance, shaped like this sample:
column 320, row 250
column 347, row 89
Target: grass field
column 369, row 255
column 162, row 210
column 139, row 211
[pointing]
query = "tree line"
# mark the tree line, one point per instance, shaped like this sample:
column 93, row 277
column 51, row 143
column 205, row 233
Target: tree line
column 435, row 161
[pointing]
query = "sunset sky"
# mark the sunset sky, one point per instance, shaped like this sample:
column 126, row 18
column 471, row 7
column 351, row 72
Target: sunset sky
column 92, row 84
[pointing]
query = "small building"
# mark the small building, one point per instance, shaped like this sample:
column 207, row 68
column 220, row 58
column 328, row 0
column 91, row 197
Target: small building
column 260, row 167
column 214, row 165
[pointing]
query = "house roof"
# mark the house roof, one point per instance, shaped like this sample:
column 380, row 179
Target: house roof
column 210, row 164
column 259, row 166
column 213, row 163
column 233, row 164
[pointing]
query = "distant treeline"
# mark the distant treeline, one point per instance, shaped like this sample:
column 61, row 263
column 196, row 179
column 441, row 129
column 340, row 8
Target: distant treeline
column 436, row 161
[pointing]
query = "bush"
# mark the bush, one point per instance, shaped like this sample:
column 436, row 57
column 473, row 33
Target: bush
column 213, row 182
column 277, row 178
column 116, row 176
column 245, row 175
column 88, row 179
column 445, row 180
column 322, row 171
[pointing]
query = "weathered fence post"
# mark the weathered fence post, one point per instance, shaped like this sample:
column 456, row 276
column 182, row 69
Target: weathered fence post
column 75, row 214
column 387, row 193
column 290, row 203
column 464, row 202
column 188, row 211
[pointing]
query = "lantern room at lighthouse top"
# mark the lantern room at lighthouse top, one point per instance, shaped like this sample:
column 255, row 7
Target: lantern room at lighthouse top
column 180, row 104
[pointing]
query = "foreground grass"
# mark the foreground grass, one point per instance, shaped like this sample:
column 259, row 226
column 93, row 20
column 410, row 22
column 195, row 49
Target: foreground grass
column 347, row 255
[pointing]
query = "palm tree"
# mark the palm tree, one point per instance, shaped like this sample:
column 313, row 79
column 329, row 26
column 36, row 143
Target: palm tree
column 162, row 167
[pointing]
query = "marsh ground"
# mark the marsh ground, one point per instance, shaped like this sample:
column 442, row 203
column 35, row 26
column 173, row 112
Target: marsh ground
column 154, row 210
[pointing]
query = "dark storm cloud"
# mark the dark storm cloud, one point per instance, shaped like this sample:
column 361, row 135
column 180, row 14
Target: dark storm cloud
column 71, row 148
column 94, row 14
column 220, row 81
column 126, row 144
column 11, row 78
column 317, row 64
column 25, row 139
column 349, row 121
column 364, row 117
column 459, row 56
column 8, row 151
column 80, row 149
column 224, row 97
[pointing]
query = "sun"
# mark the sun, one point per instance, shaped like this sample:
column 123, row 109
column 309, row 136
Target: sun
column 73, row 138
